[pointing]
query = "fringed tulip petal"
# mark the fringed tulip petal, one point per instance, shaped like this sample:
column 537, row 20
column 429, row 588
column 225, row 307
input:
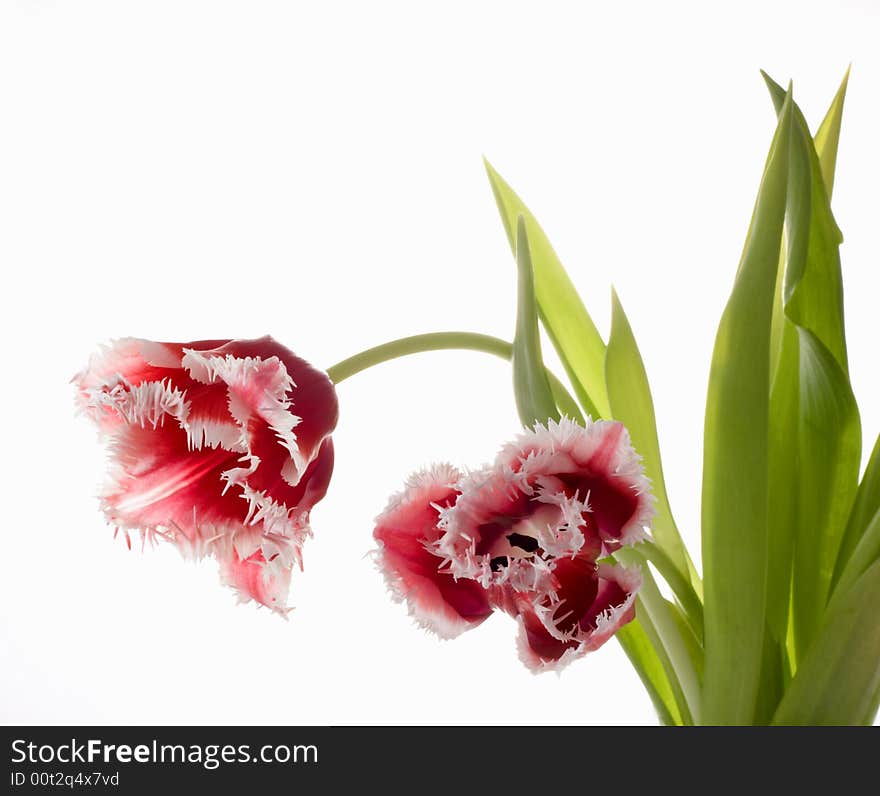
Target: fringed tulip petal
column 407, row 532
column 596, row 464
column 590, row 604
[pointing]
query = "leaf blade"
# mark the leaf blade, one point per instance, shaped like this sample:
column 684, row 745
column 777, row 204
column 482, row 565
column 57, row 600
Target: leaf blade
column 865, row 507
column 838, row 681
column 630, row 401
column 735, row 462
column 669, row 638
column 829, row 447
column 534, row 398
column 569, row 326
column 866, row 553
column 815, row 425
column 640, row 650
column 827, row 136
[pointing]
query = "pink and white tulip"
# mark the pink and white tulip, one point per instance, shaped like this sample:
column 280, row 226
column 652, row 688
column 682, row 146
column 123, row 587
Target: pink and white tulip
column 221, row 447
column 528, row 532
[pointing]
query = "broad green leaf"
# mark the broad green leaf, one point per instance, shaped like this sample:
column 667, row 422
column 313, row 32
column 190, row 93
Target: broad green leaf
column 826, row 141
column 829, row 449
column 735, row 459
column 813, row 289
column 865, row 508
column 783, row 445
column 572, row 331
column 828, row 136
column 815, row 432
column 534, row 399
column 645, row 660
column 630, row 397
column 838, row 681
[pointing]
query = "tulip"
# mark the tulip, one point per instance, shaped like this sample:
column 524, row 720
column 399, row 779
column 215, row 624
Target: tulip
column 221, row 447
column 529, row 535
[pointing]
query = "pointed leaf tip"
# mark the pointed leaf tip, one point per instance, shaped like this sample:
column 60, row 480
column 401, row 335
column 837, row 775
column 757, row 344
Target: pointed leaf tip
column 534, row 398
column 568, row 324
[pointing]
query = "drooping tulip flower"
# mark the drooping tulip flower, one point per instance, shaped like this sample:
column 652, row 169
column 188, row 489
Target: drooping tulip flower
column 221, row 447
column 530, row 531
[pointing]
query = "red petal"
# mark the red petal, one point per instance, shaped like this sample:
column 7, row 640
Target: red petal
column 593, row 604
column 537, row 647
column 596, row 462
column 161, row 484
column 255, row 579
column 577, row 587
column 313, row 398
column 406, row 532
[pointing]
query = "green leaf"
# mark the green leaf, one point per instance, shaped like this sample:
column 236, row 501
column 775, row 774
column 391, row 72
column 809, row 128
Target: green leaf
column 735, row 459
column 828, row 136
column 784, row 397
column 826, row 141
column 829, row 448
column 783, row 491
column 814, row 422
column 813, row 295
column 773, row 671
column 691, row 606
column 864, row 511
column 643, row 656
column 572, row 331
column 838, row 681
column 692, row 642
column 566, row 404
column 630, row 398
column 867, row 552
column 668, row 637
column 534, row 399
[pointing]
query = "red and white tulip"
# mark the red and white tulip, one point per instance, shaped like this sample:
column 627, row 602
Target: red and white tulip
column 525, row 535
column 221, row 447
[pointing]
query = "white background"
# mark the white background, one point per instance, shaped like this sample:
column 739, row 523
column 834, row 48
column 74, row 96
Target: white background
column 183, row 170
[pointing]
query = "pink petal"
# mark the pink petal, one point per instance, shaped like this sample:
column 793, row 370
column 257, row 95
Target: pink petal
column 158, row 484
column 125, row 363
column 590, row 605
column 256, row 579
column 406, row 533
column 596, row 463
column 313, row 398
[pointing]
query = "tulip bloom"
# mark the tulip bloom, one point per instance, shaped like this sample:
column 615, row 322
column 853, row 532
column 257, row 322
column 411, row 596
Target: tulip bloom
column 221, row 447
column 525, row 535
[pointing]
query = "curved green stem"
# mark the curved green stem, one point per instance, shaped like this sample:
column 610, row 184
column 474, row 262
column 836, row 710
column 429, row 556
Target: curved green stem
column 441, row 341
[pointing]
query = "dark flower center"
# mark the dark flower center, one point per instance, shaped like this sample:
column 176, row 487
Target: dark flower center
column 527, row 544
column 510, row 536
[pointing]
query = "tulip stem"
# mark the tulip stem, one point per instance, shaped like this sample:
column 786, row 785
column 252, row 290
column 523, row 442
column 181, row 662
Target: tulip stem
column 442, row 341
